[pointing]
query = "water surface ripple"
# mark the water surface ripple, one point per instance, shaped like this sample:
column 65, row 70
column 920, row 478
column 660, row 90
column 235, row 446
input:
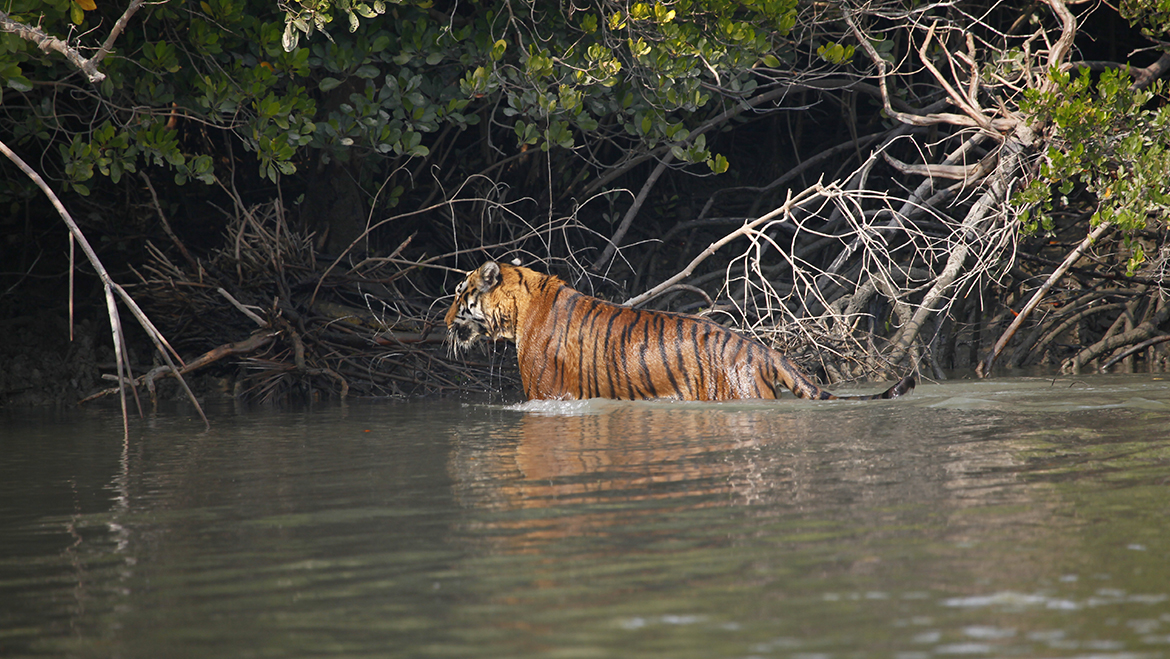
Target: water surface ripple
column 1020, row 517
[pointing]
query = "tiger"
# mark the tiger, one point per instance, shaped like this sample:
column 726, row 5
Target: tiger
column 572, row 346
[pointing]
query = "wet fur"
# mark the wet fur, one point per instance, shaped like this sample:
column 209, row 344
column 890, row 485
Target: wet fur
column 574, row 346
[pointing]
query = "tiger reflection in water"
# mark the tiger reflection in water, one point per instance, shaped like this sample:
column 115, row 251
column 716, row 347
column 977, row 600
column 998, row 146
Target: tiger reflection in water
column 606, row 465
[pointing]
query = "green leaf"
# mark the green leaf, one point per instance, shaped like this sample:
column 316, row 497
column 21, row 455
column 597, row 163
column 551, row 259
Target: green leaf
column 718, row 164
column 328, row 84
column 498, row 50
column 20, row 84
column 662, row 14
column 290, row 38
column 367, row 71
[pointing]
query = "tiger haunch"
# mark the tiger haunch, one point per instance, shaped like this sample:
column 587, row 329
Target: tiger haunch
column 574, row 346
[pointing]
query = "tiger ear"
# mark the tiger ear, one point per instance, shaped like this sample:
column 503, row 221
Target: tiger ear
column 489, row 276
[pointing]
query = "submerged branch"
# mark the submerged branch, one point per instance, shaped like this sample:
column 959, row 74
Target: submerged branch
column 1142, row 332
column 1135, row 349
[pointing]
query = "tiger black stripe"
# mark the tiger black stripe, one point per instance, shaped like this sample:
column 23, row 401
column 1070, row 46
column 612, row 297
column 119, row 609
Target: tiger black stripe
column 660, row 321
column 713, row 358
column 700, row 386
column 624, row 356
column 625, row 352
column 589, row 318
column 608, row 333
column 584, row 381
column 774, row 378
column 642, row 350
column 543, row 353
column 599, row 358
column 722, row 354
column 556, row 312
column 680, row 353
column 635, row 392
column 562, row 358
column 556, row 339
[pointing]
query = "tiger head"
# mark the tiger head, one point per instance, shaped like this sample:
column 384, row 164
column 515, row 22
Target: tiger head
column 485, row 305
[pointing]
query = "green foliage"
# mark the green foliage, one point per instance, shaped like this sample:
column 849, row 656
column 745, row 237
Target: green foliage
column 190, row 80
column 835, row 53
column 638, row 71
column 176, row 76
column 1107, row 143
column 1152, row 16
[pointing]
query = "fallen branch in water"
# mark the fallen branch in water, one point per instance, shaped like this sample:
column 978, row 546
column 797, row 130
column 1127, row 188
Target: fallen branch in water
column 248, row 345
column 1135, row 349
column 1142, row 332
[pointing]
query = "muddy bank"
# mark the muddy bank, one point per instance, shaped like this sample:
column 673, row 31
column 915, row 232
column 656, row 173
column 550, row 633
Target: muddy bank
column 42, row 366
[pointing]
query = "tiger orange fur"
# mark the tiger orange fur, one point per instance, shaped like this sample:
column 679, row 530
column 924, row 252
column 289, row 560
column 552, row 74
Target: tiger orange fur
column 574, row 346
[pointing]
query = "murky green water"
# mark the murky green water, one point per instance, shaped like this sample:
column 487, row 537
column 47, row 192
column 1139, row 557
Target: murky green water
column 1011, row 518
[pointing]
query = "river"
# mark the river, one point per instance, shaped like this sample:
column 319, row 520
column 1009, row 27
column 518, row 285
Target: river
column 1018, row 517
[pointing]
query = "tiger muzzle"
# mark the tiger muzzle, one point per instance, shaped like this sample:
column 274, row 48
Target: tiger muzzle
column 463, row 334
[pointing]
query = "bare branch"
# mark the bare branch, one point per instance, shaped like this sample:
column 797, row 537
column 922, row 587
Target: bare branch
column 931, row 119
column 1135, row 349
column 111, row 289
column 612, row 246
column 984, row 368
column 47, row 42
column 1009, row 163
column 108, row 44
column 971, row 172
column 1068, row 32
column 1142, row 332
column 785, row 209
column 966, row 104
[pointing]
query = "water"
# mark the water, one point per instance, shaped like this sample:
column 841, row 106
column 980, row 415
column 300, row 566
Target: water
column 1011, row 518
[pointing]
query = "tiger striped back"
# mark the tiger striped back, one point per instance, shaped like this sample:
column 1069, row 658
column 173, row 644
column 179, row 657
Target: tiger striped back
column 571, row 345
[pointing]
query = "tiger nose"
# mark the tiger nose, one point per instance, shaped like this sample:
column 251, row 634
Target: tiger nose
column 464, row 332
